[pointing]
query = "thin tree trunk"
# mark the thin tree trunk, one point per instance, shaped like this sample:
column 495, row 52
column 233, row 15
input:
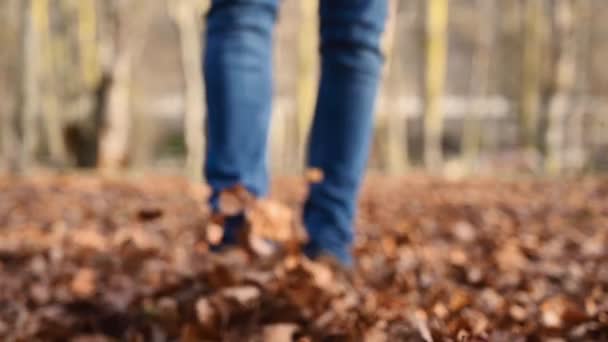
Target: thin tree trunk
column 115, row 131
column 531, row 78
column 129, row 40
column 30, row 98
column 563, row 85
column 307, row 73
column 87, row 43
column 187, row 17
column 436, row 64
column 575, row 156
column 510, row 16
column 83, row 118
column 11, row 36
column 9, row 139
column 480, row 79
column 52, row 119
column 395, row 146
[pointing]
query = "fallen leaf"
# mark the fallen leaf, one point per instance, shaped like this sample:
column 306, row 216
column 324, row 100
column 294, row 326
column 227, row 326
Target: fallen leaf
column 83, row 283
column 40, row 293
column 464, row 231
column 558, row 311
column 90, row 338
column 518, row 313
column 510, row 257
column 376, row 335
column 243, row 295
column 271, row 220
column 89, row 238
column 314, row 175
column 420, row 321
column 205, row 313
column 459, row 300
column 234, row 201
column 282, row 332
column 215, row 233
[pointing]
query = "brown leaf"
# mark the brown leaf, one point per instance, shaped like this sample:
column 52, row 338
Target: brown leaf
column 510, row 257
column 478, row 322
column 441, row 311
column 40, row 293
column 518, row 313
column 558, row 311
column 142, row 239
column 89, row 238
column 261, row 247
column 234, row 201
column 376, row 334
column 83, row 283
column 420, row 321
column 458, row 257
column 464, row 231
column 90, row 338
column 459, row 300
column 492, row 301
column 322, row 275
column 281, row 332
column 271, row 220
column 243, row 295
column 3, row 327
column 168, row 308
column 189, row 333
column 314, row 175
column 205, row 313
column 214, row 233
column 463, row 336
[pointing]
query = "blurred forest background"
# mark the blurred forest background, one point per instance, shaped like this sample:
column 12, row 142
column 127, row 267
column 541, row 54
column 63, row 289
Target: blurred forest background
column 470, row 86
column 491, row 108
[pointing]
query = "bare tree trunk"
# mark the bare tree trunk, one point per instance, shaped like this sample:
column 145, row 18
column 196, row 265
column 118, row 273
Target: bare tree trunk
column 186, row 15
column 10, row 39
column 85, row 97
column 52, row 119
column 128, row 42
column 480, row 79
column 115, row 131
column 531, row 78
column 8, row 143
column 307, row 72
column 436, row 64
column 87, row 43
column 563, row 84
column 575, row 156
column 395, row 146
column 30, row 97
column 510, row 16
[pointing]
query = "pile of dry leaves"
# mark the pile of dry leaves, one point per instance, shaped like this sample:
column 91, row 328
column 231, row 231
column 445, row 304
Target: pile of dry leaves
column 87, row 259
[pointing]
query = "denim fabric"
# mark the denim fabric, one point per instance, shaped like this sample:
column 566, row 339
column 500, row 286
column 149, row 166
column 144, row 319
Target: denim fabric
column 238, row 76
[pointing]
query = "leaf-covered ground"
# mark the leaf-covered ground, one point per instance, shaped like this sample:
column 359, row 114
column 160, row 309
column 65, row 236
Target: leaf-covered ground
column 87, row 259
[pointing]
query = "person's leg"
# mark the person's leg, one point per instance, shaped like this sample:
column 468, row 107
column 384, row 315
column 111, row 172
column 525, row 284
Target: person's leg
column 238, row 77
column 339, row 142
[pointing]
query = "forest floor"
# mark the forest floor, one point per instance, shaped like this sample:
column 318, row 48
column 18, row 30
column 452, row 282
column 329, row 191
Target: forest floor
column 89, row 259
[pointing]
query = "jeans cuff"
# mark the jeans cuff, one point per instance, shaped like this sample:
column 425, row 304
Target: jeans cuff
column 341, row 253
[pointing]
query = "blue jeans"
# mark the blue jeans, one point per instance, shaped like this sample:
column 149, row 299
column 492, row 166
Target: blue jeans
column 238, row 76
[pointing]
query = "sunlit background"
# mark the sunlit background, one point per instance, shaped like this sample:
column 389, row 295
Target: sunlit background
column 470, row 86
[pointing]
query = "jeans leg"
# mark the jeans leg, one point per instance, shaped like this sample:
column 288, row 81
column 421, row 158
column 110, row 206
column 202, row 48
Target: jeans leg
column 351, row 66
column 238, row 77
